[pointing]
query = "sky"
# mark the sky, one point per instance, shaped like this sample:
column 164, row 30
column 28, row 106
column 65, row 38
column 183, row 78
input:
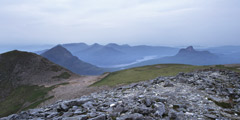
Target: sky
column 134, row 22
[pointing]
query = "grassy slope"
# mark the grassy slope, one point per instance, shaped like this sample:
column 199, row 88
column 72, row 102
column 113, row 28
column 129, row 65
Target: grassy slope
column 150, row 72
column 25, row 97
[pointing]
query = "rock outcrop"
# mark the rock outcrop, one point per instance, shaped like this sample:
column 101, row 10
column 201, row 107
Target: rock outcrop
column 206, row 94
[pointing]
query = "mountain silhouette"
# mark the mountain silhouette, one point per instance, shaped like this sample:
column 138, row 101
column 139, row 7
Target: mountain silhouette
column 114, row 54
column 63, row 57
column 185, row 56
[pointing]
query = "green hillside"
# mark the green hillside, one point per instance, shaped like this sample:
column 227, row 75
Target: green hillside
column 25, row 97
column 22, row 75
column 150, row 72
column 22, row 98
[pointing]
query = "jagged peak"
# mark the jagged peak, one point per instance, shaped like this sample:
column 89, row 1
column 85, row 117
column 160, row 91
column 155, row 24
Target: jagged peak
column 190, row 48
column 191, row 52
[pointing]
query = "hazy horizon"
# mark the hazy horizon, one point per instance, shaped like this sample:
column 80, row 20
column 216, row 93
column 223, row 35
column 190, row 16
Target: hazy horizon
column 137, row 22
column 40, row 47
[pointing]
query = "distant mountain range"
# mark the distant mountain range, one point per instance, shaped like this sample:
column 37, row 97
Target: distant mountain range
column 185, row 56
column 63, row 57
column 122, row 56
column 114, row 54
column 22, row 74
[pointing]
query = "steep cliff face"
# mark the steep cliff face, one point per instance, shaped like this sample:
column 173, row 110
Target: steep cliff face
column 204, row 94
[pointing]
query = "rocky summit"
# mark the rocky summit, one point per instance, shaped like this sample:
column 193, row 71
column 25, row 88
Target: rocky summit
column 200, row 95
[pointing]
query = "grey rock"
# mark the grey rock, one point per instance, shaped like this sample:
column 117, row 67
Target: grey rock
column 135, row 116
column 172, row 115
column 210, row 116
column 143, row 110
column 159, row 99
column 148, row 102
column 10, row 117
column 100, row 117
column 82, row 101
column 81, row 117
column 168, row 84
column 67, row 114
column 53, row 114
column 230, row 90
column 74, row 108
column 92, row 114
column 88, row 105
column 119, row 109
column 79, row 112
column 160, row 109
column 63, row 107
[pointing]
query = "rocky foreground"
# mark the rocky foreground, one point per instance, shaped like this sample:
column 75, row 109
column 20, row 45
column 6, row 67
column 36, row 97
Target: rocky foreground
column 207, row 94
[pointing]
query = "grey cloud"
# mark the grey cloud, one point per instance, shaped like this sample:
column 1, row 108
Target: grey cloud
column 173, row 22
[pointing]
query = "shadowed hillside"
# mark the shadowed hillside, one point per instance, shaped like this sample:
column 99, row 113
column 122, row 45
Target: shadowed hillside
column 22, row 75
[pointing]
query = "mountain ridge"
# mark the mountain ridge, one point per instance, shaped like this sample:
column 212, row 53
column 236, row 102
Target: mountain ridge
column 114, row 54
column 63, row 57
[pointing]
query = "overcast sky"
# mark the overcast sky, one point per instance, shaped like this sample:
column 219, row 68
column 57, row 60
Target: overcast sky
column 134, row 22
